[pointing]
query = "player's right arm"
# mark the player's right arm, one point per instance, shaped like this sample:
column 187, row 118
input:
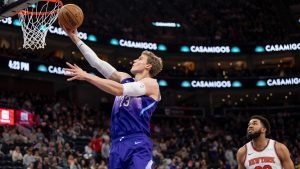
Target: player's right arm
column 108, row 71
column 240, row 156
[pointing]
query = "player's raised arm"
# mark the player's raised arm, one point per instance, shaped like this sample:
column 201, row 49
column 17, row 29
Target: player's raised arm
column 147, row 86
column 103, row 67
column 284, row 156
column 240, row 156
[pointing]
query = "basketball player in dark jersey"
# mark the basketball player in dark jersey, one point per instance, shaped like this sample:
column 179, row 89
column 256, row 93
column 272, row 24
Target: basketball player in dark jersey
column 136, row 100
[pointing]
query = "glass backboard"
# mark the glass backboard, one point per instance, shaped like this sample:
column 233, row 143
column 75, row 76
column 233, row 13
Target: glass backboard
column 12, row 7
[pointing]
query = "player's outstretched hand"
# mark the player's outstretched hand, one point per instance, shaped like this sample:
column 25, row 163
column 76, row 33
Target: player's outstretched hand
column 75, row 72
column 71, row 33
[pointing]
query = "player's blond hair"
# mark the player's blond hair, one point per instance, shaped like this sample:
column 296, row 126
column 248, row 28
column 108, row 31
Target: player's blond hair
column 155, row 61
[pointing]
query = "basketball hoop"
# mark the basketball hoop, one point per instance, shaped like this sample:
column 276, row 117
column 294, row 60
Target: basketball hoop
column 36, row 20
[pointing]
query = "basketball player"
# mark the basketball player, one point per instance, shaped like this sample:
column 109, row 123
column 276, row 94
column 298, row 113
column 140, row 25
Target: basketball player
column 261, row 152
column 136, row 100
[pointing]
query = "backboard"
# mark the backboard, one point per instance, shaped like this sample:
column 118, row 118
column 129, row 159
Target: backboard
column 12, row 7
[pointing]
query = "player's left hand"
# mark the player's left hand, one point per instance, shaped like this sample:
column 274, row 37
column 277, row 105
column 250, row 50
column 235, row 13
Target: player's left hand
column 75, row 72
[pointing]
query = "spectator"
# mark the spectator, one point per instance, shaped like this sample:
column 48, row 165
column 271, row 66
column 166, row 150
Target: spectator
column 33, row 137
column 105, row 148
column 40, row 135
column 96, row 144
column 88, row 151
column 28, row 158
column 17, row 155
column 229, row 156
column 103, row 165
column 72, row 162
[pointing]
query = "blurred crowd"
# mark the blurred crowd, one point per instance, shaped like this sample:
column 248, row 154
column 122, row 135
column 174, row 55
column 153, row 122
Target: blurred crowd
column 231, row 72
column 63, row 135
column 66, row 135
column 216, row 21
column 292, row 2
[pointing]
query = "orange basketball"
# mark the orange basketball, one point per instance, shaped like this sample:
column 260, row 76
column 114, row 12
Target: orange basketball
column 70, row 16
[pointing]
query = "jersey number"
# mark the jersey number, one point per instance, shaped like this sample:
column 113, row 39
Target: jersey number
column 264, row 167
column 124, row 101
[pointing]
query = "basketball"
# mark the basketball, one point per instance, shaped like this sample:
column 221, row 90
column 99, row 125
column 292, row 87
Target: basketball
column 70, row 16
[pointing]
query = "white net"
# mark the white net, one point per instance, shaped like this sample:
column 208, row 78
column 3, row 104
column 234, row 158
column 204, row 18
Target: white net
column 36, row 21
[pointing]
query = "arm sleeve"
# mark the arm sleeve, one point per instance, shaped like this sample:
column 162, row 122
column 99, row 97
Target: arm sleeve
column 134, row 89
column 103, row 67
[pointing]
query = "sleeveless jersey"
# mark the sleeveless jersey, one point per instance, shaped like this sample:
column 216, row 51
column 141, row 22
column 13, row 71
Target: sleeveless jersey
column 265, row 159
column 131, row 115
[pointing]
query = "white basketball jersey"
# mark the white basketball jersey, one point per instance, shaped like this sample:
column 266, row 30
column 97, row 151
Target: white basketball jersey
column 265, row 159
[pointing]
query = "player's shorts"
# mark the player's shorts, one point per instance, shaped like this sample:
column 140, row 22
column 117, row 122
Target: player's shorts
column 131, row 152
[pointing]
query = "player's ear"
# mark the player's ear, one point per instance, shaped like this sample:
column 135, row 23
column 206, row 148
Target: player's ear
column 264, row 130
column 148, row 66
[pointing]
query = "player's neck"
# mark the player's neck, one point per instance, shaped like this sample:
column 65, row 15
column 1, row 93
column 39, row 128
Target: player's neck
column 140, row 76
column 260, row 143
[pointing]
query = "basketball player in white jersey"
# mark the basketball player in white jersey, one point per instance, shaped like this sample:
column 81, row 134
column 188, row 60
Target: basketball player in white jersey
column 262, row 152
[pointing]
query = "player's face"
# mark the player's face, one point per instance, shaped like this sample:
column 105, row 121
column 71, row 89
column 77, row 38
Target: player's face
column 139, row 64
column 255, row 128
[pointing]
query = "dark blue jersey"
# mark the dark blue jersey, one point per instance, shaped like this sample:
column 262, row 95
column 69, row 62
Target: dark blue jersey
column 131, row 114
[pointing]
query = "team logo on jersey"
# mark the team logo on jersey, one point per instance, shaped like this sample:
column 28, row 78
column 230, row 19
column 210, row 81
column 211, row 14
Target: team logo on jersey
column 137, row 142
column 260, row 160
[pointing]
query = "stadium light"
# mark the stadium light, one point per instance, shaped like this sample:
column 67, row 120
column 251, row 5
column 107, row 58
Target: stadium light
column 32, row 6
column 235, row 49
column 184, row 49
column 236, row 84
column 17, row 22
column 114, row 42
column 43, row 28
column 259, row 49
column 261, row 83
column 185, row 84
column 162, row 47
column 92, row 38
column 42, row 68
column 163, row 83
